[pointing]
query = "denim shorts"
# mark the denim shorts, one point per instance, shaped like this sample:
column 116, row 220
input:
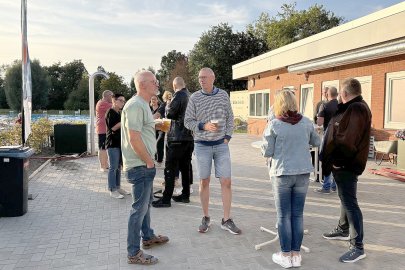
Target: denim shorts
column 221, row 156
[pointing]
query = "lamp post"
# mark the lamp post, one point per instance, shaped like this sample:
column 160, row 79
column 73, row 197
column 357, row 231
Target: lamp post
column 91, row 107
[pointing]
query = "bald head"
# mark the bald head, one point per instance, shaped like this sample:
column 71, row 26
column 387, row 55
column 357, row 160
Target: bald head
column 142, row 76
column 107, row 95
column 332, row 93
column 178, row 83
column 146, row 84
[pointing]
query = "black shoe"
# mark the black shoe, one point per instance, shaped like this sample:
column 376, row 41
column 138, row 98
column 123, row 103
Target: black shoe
column 337, row 234
column 160, row 203
column 180, row 198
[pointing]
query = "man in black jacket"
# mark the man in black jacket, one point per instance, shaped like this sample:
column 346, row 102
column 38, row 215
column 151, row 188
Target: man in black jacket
column 345, row 150
column 179, row 148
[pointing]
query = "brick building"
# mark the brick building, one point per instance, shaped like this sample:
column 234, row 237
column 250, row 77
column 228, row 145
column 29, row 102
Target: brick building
column 371, row 49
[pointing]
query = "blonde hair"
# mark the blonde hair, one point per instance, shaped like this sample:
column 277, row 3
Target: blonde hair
column 165, row 95
column 284, row 101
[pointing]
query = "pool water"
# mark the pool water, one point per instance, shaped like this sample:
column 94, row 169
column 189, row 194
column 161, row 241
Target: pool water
column 53, row 117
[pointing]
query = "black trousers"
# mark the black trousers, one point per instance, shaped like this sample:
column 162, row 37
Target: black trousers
column 160, row 145
column 178, row 157
column 351, row 218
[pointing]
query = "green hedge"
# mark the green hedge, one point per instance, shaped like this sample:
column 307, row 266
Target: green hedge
column 39, row 137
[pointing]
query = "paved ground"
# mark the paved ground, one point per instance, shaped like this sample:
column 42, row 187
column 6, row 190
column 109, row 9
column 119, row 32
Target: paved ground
column 74, row 224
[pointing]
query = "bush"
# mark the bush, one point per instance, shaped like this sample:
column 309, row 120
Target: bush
column 41, row 130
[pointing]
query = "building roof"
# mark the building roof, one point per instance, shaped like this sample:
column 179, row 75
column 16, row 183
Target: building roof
column 371, row 34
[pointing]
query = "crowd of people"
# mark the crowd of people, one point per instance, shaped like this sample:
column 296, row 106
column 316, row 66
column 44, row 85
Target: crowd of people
column 202, row 123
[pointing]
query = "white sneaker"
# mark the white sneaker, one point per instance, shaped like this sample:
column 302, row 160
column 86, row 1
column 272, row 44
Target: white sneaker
column 116, row 195
column 296, row 261
column 123, row 191
column 283, row 261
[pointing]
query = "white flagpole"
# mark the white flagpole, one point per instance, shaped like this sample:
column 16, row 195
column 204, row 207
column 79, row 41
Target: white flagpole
column 26, row 96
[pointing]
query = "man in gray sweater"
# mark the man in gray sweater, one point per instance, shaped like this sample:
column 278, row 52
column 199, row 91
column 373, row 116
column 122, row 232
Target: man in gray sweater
column 209, row 116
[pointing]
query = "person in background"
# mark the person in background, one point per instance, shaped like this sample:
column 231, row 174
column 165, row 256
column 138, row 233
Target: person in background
column 326, row 112
column 344, row 152
column 161, row 113
column 155, row 107
column 288, row 138
column 19, row 119
column 138, row 144
column 113, row 146
column 102, row 106
column 324, row 100
column 209, row 116
column 179, row 147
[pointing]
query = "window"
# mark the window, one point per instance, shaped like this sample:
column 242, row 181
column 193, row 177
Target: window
column 334, row 83
column 259, row 103
column 365, row 88
column 307, row 100
column 394, row 92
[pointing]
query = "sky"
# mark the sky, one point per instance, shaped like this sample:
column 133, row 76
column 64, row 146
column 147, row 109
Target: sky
column 124, row 36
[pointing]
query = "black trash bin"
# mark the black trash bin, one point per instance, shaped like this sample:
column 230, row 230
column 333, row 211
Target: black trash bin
column 70, row 138
column 14, row 180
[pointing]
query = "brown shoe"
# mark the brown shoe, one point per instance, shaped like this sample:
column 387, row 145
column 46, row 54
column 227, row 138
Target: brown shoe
column 155, row 241
column 142, row 258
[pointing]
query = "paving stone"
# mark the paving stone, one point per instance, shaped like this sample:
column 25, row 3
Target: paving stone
column 73, row 223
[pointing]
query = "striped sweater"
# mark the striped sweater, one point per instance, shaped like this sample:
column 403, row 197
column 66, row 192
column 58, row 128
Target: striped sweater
column 202, row 108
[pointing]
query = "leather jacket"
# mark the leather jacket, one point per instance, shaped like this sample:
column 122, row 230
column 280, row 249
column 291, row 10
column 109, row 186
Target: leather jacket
column 347, row 138
column 176, row 111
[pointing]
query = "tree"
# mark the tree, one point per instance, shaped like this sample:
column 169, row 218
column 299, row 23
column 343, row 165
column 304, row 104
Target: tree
column 79, row 98
column 40, row 85
column 116, row 84
column 132, row 86
column 3, row 100
column 65, row 79
column 181, row 69
column 291, row 25
column 167, row 64
column 220, row 48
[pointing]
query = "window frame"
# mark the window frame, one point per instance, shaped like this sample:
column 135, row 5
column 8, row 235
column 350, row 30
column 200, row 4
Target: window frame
column 301, row 101
column 366, row 79
column 264, row 106
column 388, row 98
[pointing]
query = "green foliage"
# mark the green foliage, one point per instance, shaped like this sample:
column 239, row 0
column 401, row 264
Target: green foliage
column 132, row 86
column 291, row 25
column 79, row 98
column 240, row 126
column 65, row 79
column 40, row 85
column 41, row 130
column 167, row 65
column 220, row 48
column 116, row 84
column 3, row 99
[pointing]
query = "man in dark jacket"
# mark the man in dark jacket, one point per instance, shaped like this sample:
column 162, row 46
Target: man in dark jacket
column 179, row 148
column 345, row 151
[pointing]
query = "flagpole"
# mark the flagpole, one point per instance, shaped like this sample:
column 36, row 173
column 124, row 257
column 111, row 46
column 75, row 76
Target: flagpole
column 22, row 88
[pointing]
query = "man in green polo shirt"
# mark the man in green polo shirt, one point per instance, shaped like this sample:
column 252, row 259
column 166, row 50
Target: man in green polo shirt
column 138, row 144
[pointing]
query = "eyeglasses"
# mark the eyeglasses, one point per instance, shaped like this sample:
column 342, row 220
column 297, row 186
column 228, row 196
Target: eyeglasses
column 156, row 82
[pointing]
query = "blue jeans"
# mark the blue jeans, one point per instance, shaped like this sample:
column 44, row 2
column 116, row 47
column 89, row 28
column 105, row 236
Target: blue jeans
column 221, row 156
column 289, row 194
column 329, row 182
column 141, row 179
column 114, row 172
column 351, row 218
